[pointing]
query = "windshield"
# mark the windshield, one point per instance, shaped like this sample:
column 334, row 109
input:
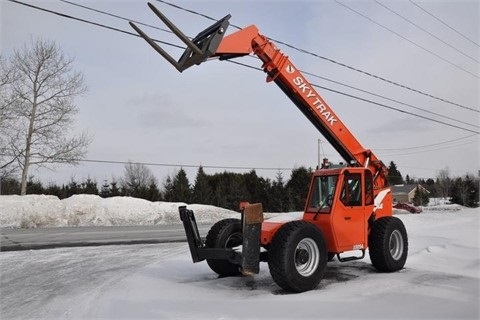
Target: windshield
column 321, row 196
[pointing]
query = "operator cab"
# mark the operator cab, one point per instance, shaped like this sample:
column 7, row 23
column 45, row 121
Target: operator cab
column 340, row 203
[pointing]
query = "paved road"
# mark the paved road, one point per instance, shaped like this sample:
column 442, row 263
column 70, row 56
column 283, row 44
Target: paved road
column 42, row 238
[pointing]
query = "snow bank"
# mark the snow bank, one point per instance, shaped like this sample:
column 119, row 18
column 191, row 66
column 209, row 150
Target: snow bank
column 32, row 211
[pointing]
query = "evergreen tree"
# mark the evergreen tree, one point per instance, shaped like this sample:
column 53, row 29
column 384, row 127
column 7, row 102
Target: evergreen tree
column 256, row 188
column 458, row 192
column 464, row 191
column 407, row 179
column 72, row 188
column 473, row 186
column 431, row 187
column 420, row 197
column 202, row 190
column 114, row 190
column 105, row 190
column 229, row 190
column 279, row 196
column 220, row 186
column 394, row 176
column 181, row 187
column 9, row 186
column 34, row 186
column 297, row 188
column 153, row 194
column 89, row 186
column 55, row 190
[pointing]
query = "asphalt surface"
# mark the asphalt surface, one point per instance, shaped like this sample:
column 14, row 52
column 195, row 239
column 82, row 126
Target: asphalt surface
column 44, row 238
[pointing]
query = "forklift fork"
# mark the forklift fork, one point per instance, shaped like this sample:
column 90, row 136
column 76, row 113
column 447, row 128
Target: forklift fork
column 249, row 259
column 199, row 49
column 197, row 247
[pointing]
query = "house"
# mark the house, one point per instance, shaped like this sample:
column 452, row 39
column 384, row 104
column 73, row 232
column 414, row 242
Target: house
column 405, row 192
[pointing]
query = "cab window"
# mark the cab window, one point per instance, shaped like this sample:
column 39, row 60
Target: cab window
column 321, row 197
column 352, row 190
column 368, row 188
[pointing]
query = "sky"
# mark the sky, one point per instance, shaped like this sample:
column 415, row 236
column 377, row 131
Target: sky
column 139, row 108
column 440, row 279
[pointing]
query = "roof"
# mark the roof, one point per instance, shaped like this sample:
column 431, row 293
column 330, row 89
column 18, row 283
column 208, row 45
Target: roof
column 403, row 188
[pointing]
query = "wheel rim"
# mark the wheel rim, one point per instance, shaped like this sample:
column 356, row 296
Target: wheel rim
column 234, row 240
column 307, row 257
column 396, row 245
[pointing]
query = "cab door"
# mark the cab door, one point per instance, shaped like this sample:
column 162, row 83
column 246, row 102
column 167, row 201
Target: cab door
column 349, row 221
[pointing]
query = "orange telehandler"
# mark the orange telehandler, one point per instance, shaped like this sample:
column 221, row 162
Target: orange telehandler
column 347, row 209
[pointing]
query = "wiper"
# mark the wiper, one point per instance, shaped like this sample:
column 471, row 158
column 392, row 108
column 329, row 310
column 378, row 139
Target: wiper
column 323, row 205
column 319, row 209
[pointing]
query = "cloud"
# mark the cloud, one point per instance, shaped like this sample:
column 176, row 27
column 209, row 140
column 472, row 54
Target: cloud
column 161, row 111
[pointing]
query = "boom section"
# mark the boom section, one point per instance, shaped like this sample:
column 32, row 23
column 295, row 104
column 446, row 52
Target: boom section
column 291, row 81
column 301, row 92
column 212, row 42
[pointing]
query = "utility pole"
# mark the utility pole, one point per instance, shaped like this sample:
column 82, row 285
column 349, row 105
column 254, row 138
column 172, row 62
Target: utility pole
column 319, row 165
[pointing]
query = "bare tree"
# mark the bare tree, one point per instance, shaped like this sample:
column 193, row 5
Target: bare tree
column 41, row 101
column 137, row 179
column 444, row 182
column 7, row 99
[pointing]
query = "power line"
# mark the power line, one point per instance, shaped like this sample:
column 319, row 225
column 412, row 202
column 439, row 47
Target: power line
column 393, row 108
column 333, row 61
column 191, row 11
column 376, row 103
column 90, row 22
column 445, row 24
column 426, row 31
column 428, row 145
column 322, row 87
column 115, row 16
column 184, row 165
column 168, row 31
column 389, row 99
column 406, row 39
column 429, row 150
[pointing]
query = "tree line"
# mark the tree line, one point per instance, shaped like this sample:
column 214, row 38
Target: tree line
column 462, row 190
column 225, row 189
column 228, row 189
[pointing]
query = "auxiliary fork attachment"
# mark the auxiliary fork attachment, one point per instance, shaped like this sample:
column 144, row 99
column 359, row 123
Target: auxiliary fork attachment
column 248, row 259
column 199, row 49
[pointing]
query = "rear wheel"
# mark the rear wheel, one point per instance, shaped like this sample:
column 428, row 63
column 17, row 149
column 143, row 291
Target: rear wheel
column 225, row 233
column 331, row 256
column 297, row 256
column 388, row 244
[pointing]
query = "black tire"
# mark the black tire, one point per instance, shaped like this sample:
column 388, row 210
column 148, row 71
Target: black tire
column 330, row 256
column 388, row 244
column 226, row 233
column 298, row 256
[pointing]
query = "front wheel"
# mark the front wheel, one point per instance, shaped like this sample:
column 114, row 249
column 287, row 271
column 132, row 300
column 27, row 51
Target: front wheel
column 388, row 244
column 226, row 233
column 297, row 256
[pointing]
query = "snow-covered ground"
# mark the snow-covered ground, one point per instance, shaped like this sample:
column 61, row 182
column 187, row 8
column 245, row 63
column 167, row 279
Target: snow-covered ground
column 441, row 278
